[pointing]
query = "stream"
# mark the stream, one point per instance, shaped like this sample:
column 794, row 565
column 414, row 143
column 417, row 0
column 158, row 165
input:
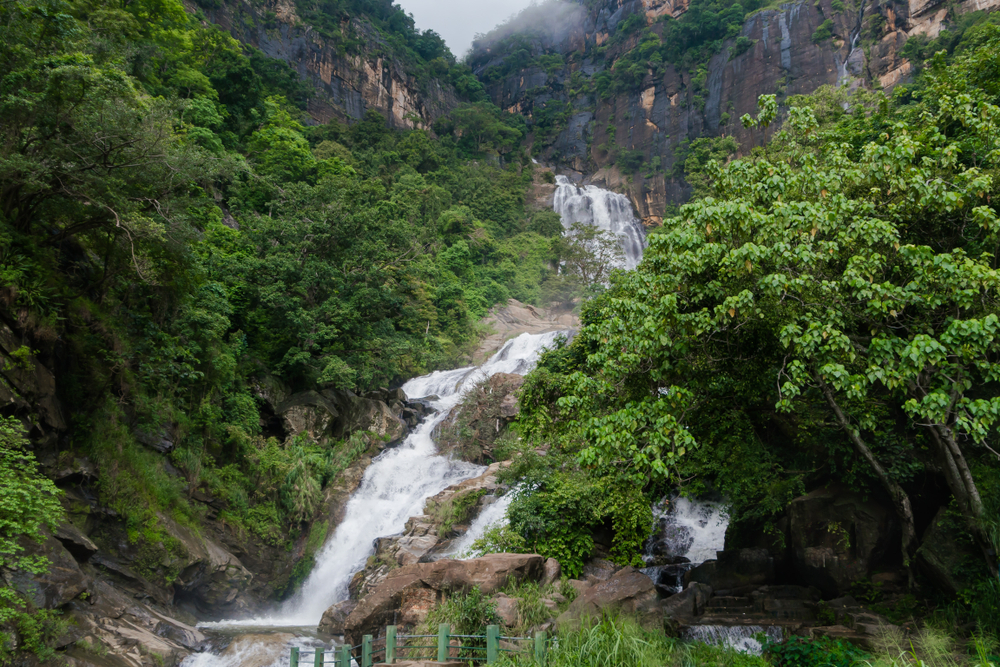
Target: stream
column 400, row 480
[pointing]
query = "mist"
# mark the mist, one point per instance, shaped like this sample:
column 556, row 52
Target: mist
column 554, row 19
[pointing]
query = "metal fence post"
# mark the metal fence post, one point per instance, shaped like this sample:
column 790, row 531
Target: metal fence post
column 540, row 647
column 390, row 644
column 444, row 630
column 492, row 643
column 366, row 651
column 293, row 661
column 318, row 658
column 345, row 656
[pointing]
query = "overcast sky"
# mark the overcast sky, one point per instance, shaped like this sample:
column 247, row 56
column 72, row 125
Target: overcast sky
column 458, row 21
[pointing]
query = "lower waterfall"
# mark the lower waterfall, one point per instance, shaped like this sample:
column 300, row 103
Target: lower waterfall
column 394, row 488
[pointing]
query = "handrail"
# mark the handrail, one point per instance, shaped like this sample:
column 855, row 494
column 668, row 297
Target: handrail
column 344, row 655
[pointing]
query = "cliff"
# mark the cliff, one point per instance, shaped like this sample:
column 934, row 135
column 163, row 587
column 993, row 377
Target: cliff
column 636, row 140
column 350, row 75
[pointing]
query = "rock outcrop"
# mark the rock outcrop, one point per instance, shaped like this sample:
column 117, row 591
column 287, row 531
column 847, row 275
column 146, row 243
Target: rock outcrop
column 627, row 591
column 672, row 105
column 347, row 82
column 408, row 594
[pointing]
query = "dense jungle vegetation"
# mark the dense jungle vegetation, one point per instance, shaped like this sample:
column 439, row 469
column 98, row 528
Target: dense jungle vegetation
column 171, row 232
column 827, row 313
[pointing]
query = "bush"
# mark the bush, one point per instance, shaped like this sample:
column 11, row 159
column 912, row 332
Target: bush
column 823, row 32
column 822, row 652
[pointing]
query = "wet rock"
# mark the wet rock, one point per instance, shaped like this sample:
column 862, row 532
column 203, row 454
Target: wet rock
column 75, row 542
column 334, row 618
column 688, row 603
column 110, row 627
column 628, row 591
column 55, row 587
column 738, row 569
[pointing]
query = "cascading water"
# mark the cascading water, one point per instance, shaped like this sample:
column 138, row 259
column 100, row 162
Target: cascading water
column 493, row 514
column 686, row 533
column 843, row 76
column 606, row 210
column 400, row 480
column 394, row 488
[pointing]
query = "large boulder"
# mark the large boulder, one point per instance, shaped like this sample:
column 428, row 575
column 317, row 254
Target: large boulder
column 410, row 592
column 687, row 604
column 838, row 537
column 209, row 574
column 56, row 586
column 628, row 591
column 335, row 617
column 331, row 414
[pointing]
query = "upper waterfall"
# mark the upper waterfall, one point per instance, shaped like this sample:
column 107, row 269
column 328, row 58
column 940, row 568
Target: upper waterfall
column 606, row 210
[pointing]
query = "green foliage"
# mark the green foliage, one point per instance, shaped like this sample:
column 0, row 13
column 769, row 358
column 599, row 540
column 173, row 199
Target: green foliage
column 621, row 642
column 823, row 32
column 821, row 652
column 498, row 538
column 29, row 504
column 467, row 614
column 741, row 46
column 167, row 216
column 804, row 295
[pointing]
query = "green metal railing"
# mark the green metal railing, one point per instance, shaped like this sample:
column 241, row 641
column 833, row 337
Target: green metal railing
column 365, row 652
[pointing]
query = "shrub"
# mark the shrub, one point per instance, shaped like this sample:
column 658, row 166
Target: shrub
column 821, row 652
column 823, row 32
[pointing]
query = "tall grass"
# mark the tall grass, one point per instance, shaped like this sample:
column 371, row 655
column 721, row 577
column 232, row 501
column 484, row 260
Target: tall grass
column 621, row 642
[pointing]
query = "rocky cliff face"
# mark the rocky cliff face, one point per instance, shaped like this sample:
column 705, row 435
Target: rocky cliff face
column 677, row 105
column 348, row 82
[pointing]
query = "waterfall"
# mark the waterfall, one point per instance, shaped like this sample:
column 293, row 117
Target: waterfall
column 606, row 210
column 842, row 74
column 742, row 638
column 395, row 487
column 686, row 533
column 494, row 513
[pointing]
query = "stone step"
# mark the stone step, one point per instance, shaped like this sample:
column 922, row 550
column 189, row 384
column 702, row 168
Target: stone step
column 729, row 603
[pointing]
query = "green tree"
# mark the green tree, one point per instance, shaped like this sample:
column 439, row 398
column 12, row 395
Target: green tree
column 29, row 504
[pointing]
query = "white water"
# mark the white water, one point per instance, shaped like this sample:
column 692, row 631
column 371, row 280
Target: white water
column 739, row 637
column 394, row 488
column 493, row 514
column 606, row 210
column 684, row 529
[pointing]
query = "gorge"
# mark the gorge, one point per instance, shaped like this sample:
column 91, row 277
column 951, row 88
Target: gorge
column 664, row 325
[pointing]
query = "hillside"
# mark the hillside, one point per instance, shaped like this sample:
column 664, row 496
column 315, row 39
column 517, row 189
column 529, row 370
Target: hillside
column 626, row 93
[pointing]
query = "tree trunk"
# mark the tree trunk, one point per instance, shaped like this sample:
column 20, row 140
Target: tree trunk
column 963, row 487
column 900, row 500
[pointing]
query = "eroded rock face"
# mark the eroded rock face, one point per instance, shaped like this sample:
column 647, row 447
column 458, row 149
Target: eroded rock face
column 672, row 106
column 348, row 84
column 409, row 593
column 687, row 604
column 335, row 617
